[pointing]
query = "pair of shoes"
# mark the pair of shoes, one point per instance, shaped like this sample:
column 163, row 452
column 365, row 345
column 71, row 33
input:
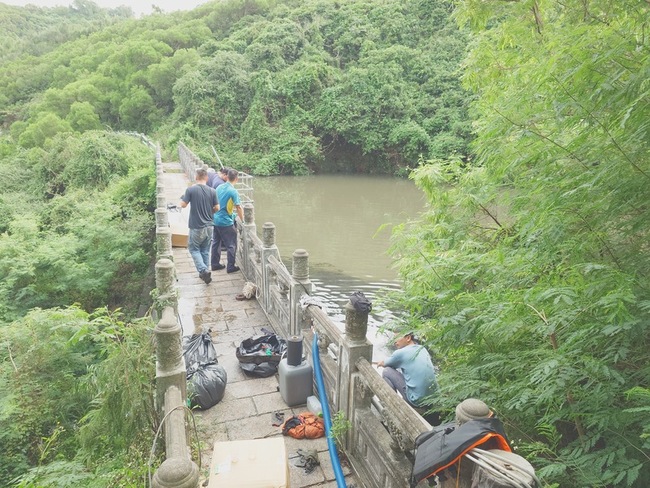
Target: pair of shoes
column 218, row 267
column 206, row 276
column 234, row 269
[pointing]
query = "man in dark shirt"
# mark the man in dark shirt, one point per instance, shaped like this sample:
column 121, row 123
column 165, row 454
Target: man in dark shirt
column 220, row 178
column 203, row 204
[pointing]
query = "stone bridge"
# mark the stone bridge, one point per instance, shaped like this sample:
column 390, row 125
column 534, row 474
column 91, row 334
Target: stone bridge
column 377, row 447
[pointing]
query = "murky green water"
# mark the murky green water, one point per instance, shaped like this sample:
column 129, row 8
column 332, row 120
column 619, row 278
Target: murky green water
column 345, row 224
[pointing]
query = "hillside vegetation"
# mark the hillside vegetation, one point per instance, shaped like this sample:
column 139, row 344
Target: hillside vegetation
column 277, row 87
column 527, row 125
column 529, row 274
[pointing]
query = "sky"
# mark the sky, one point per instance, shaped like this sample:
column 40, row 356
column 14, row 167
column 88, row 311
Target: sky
column 139, row 7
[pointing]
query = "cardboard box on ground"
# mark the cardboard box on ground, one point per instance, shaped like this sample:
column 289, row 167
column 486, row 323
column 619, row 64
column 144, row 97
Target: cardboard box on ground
column 258, row 463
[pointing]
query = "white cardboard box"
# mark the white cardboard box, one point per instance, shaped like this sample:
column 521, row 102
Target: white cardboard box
column 178, row 225
column 258, row 463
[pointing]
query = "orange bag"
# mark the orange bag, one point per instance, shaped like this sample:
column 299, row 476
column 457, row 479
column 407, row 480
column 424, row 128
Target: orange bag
column 304, row 426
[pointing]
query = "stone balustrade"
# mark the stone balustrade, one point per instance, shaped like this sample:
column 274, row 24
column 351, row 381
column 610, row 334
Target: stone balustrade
column 381, row 423
column 380, row 441
column 177, row 470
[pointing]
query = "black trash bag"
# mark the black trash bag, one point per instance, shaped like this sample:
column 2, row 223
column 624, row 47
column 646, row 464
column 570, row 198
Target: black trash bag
column 206, row 379
column 207, row 386
column 260, row 355
column 198, row 351
column 262, row 370
column 360, row 302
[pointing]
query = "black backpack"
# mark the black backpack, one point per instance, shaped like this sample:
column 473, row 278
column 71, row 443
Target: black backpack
column 442, row 447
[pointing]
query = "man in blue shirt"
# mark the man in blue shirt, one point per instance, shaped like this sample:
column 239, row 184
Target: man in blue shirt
column 409, row 370
column 203, row 203
column 225, row 234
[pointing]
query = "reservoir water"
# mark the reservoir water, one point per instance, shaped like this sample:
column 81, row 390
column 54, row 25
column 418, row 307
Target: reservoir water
column 344, row 222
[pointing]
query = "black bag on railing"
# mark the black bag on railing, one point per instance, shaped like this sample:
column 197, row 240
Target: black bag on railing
column 360, row 302
column 206, row 379
column 260, row 355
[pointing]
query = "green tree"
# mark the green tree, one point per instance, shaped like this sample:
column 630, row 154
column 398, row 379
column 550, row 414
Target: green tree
column 41, row 130
column 527, row 275
column 216, row 94
column 82, row 117
column 75, row 409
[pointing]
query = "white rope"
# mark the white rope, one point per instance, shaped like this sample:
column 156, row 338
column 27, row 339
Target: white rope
column 491, row 454
column 249, row 290
column 512, row 476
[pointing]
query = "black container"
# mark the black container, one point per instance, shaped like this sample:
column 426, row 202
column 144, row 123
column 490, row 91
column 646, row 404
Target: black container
column 294, row 350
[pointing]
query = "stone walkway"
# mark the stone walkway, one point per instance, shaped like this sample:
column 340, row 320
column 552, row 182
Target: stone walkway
column 246, row 411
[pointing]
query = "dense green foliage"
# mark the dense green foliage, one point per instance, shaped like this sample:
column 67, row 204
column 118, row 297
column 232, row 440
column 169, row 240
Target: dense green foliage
column 277, row 87
column 77, row 223
column 76, row 399
column 35, row 31
column 529, row 273
column 75, row 388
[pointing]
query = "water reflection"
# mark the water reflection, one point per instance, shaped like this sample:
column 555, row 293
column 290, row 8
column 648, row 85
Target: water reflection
column 345, row 223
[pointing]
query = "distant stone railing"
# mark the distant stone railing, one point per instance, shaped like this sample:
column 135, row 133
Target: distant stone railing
column 381, row 422
column 177, row 470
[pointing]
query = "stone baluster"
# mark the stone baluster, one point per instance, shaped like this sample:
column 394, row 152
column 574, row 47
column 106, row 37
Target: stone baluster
column 166, row 293
column 300, row 285
column 164, row 243
column 354, row 345
column 178, row 470
column 269, row 249
column 170, row 365
column 163, row 235
column 161, row 201
column 245, row 248
column 162, row 217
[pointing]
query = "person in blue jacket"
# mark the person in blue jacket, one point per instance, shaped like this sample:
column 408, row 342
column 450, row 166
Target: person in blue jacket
column 410, row 371
column 225, row 233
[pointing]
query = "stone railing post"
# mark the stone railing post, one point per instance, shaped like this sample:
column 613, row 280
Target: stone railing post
column 300, row 285
column 162, row 217
column 177, row 470
column 161, row 201
column 164, row 243
column 244, row 249
column 166, row 293
column 163, row 235
column 268, row 249
column 170, row 364
column 354, row 346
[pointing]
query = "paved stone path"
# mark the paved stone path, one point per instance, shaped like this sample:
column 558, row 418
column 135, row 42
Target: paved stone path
column 246, row 411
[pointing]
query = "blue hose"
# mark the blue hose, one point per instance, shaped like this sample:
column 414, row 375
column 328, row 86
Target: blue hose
column 334, row 455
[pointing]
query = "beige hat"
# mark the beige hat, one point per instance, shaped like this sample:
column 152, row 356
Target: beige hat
column 471, row 409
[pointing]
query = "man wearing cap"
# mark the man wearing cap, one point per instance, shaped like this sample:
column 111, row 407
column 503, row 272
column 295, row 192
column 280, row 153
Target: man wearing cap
column 409, row 370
